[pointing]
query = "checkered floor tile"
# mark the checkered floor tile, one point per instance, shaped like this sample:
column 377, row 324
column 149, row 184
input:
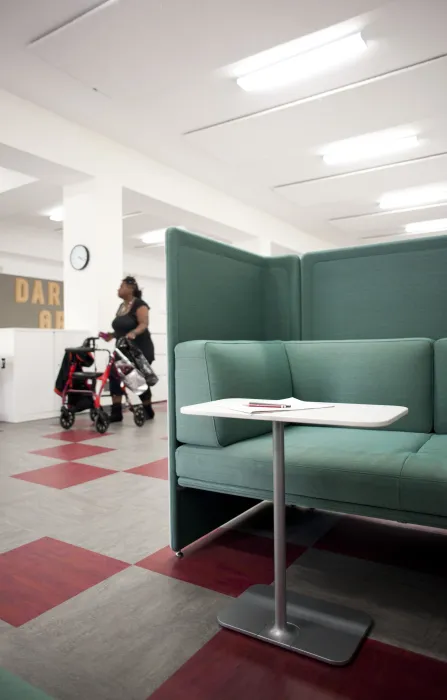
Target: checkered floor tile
column 94, row 604
column 72, row 451
column 228, row 563
column 64, row 475
column 43, row 574
column 156, row 470
column 75, row 435
column 254, row 669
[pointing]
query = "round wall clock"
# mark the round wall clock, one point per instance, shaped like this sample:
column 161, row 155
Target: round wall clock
column 79, row 257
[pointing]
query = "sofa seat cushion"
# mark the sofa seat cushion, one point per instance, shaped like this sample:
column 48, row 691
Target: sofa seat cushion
column 354, row 466
column 424, row 478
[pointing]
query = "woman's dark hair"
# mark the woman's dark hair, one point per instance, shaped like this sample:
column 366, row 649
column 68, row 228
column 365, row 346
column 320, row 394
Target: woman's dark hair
column 132, row 282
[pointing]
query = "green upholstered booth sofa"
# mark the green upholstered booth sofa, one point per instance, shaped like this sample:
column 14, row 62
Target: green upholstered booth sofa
column 356, row 326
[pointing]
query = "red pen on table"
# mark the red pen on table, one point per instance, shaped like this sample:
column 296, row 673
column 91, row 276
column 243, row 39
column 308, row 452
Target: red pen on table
column 253, row 404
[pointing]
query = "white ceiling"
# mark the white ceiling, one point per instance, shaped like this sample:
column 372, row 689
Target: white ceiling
column 156, row 76
column 29, row 205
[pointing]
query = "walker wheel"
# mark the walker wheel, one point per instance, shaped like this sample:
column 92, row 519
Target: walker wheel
column 102, row 422
column 139, row 417
column 93, row 414
column 67, row 419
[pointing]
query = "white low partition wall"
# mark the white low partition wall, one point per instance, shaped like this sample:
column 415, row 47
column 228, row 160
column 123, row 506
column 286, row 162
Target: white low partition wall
column 32, row 360
column 160, row 390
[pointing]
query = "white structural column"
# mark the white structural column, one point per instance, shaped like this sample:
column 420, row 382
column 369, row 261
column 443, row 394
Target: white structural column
column 93, row 217
column 259, row 246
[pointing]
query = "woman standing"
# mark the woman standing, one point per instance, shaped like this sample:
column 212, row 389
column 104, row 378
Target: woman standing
column 131, row 321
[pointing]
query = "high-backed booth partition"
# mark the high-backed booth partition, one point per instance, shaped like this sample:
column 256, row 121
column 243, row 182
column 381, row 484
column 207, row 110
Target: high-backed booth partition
column 363, row 324
column 392, row 290
column 217, row 292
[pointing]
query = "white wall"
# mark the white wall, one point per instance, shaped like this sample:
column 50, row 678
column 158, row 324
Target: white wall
column 154, row 293
column 266, row 248
column 23, row 266
column 24, row 250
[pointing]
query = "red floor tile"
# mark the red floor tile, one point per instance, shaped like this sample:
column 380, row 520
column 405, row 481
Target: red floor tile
column 64, row 475
column 157, row 470
column 76, row 435
column 228, row 563
column 419, row 549
column 237, row 667
column 72, row 451
column 43, row 574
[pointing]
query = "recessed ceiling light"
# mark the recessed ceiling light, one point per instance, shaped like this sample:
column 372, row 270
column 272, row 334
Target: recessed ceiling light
column 57, row 214
column 413, row 197
column 154, row 237
column 433, row 226
column 369, row 146
column 304, row 64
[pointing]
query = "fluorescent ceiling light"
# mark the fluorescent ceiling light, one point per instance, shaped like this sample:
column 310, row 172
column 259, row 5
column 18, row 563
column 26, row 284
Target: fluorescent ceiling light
column 131, row 214
column 267, row 58
column 413, row 197
column 154, row 237
column 369, row 146
column 304, row 64
column 433, row 226
column 57, row 214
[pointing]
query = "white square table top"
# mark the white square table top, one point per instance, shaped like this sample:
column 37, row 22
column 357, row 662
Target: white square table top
column 348, row 415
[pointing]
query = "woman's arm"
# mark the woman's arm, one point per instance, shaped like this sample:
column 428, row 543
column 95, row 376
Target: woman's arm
column 107, row 336
column 142, row 314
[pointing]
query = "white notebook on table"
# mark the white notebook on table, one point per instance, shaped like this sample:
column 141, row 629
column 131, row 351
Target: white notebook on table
column 252, row 406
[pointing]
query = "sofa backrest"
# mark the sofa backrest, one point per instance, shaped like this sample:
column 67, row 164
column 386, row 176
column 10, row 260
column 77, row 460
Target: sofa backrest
column 213, row 370
column 396, row 372
column 440, row 383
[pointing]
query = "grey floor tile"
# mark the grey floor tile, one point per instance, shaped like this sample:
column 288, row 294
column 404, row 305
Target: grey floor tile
column 126, row 518
column 13, row 490
column 126, row 435
column 123, row 490
column 128, row 536
column 49, row 511
column 117, row 641
column 4, row 627
column 127, row 457
column 134, row 521
column 409, row 609
column 12, row 536
column 17, row 462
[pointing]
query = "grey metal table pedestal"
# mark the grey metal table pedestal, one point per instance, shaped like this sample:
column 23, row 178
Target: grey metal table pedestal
column 324, row 631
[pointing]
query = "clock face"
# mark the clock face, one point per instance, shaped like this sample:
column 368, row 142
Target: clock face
column 79, row 257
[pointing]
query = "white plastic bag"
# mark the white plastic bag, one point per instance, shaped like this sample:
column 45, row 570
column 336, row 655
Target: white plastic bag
column 131, row 377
